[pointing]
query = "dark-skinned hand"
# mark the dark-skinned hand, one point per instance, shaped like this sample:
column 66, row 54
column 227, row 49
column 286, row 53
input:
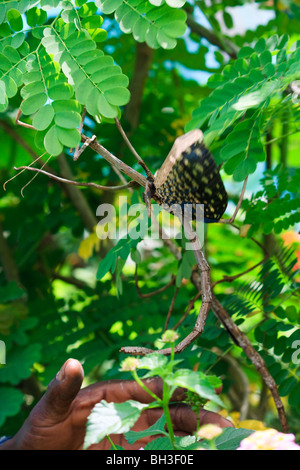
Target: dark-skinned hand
column 58, row 421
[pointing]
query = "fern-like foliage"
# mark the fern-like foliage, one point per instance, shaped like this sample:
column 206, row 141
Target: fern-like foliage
column 247, row 90
column 274, row 207
column 276, row 275
column 155, row 22
column 276, row 335
column 68, row 71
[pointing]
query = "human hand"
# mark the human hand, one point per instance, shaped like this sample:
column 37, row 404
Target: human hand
column 58, row 421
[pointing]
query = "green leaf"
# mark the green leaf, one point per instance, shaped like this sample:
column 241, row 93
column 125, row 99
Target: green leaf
column 88, row 10
column 105, row 108
column 175, row 3
column 108, row 6
column 5, row 63
column 156, row 428
column 111, row 418
column 68, row 137
column 62, row 106
column 11, row 400
column 157, row 26
column 17, row 40
column 11, row 291
column 19, row 363
column 83, row 64
column 161, row 443
column 15, row 19
column 98, row 34
column 33, row 103
column 11, row 53
column 43, row 118
column 3, row 97
column 230, row 438
column 195, row 382
column 2, row 12
column 92, row 22
column 265, row 58
column 165, row 41
column 243, row 149
column 33, row 88
column 135, row 255
column 245, row 51
column 52, row 144
column 118, row 96
column 260, row 46
column 67, row 119
column 36, row 16
column 63, row 91
column 287, row 386
column 152, row 361
column 10, row 86
column 228, row 20
column 105, row 265
column 188, row 262
column 140, row 29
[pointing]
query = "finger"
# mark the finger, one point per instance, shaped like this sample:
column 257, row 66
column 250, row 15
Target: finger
column 185, row 420
column 118, row 391
column 61, row 392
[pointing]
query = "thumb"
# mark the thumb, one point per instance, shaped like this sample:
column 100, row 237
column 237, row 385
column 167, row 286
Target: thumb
column 61, row 391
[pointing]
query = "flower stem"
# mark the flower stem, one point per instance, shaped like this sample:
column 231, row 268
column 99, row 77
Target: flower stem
column 111, row 442
column 139, row 381
column 165, row 406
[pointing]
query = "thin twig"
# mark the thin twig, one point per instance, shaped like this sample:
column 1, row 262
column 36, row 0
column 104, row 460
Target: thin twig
column 76, row 183
column 171, row 308
column 153, row 293
column 132, row 149
column 267, row 254
column 15, row 176
column 187, row 312
column 232, row 218
column 232, row 278
column 69, row 280
column 30, row 181
column 22, row 124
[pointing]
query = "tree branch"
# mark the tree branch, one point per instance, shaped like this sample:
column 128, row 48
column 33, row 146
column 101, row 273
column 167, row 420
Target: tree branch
column 213, row 37
column 114, row 161
column 9, row 266
column 144, row 56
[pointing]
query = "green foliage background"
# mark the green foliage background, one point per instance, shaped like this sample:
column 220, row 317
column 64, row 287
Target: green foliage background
column 56, row 301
